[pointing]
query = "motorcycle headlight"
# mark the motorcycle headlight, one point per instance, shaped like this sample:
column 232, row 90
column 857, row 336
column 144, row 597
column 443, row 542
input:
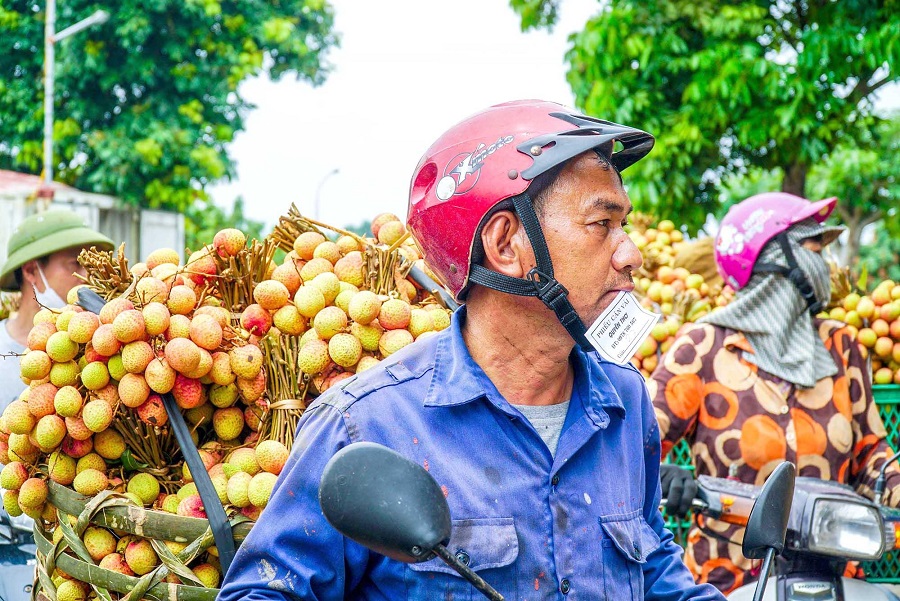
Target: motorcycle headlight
column 846, row 529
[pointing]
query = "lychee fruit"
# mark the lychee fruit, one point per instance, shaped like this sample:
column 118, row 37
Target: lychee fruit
column 179, row 327
column 306, row 243
column 252, row 388
column 313, row 357
column 207, row 574
column 347, row 244
column 287, row 319
column 380, row 220
column 38, row 336
column 11, row 503
column 271, row 455
column 220, row 372
column 420, row 322
column 115, row 562
column 153, row 412
column 70, row 590
column 97, row 415
column 33, row 493
column 289, row 275
column 162, row 255
column 203, row 366
column 49, row 432
column 61, row 468
column 133, row 390
column 191, row 506
column 246, row 361
column 67, row 401
column 82, row 327
column 76, row 448
column 156, row 317
column 99, row 542
column 394, row 314
column 182, row 354
column 140, row 556
column 116, row 367
column 150, row 289
column 368, row 335
column 271, row 294
column 228, row 423
column 145, row 486
column 206, row 332
column 114, row 307
column 90, row 482
column 64, row 374
column 229, row 242
column 18, row 418
column 390, row 232
column 13, row 475
column 129, row 326
column 364, row 307
column 109, row 444
column 345, row 349
column 256, row 320
column 441, row 319
column 104, row 340
column 160, row 376
column 40, row 400
column 315, row 267
column 260, row 489
column 201, row 266
column 329, row 321
column 223, row 396
column 182, row 300
column 366, row 363
column 309, row 301
column 328, row 284
column 61, row 348
column 136, row 356
column 394, row 340
column 95, row 375
column 188, row 392
column 351, row 268
column 238, row 489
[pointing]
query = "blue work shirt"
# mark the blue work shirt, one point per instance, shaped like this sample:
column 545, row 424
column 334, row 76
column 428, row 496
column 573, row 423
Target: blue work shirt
column 582, row 525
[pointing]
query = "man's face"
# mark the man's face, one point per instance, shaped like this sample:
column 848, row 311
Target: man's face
column 583, row 218
column 60, row 271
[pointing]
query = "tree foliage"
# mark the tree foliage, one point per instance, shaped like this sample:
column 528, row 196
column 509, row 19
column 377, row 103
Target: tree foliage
column 730, row 86
column 147, row 103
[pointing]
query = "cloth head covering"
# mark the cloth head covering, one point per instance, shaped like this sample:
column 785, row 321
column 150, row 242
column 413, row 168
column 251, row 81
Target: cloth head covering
column 771, row 313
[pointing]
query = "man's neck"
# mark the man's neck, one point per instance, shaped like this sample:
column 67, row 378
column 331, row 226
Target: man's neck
column 523, row 351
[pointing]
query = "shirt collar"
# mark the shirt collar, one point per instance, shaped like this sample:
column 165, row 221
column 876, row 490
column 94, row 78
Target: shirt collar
column 458, row 380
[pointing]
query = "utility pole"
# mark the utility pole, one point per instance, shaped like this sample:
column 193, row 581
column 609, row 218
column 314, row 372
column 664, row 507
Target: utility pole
column 50, row 39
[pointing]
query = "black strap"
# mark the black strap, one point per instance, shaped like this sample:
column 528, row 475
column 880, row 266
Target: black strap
column 540, row 281
column 793, row 273
column 218, row 521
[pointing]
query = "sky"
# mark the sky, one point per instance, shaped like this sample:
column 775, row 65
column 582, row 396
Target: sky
column 406, row 71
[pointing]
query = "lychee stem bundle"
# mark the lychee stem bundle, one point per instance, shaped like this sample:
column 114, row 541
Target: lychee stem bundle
column 286, row 386
column 107, row 275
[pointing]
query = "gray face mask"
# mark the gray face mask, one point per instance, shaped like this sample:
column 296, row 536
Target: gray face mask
column 817, row 271
column 48, row 298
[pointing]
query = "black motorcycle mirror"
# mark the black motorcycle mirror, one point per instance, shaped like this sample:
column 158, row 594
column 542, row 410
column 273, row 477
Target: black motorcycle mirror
column 383, row 501
column 767, row 524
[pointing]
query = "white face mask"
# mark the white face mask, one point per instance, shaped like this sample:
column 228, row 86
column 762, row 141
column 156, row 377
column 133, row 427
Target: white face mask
column 621, row 328
column 48, row 298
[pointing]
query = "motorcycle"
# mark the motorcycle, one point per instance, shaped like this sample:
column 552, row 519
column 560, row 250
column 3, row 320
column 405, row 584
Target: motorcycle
column 385, row 502
column 829, row 525
column 17, row 558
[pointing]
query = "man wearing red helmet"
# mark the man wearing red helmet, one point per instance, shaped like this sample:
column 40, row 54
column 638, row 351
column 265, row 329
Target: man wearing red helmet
column 762, row 380
column 547, row 454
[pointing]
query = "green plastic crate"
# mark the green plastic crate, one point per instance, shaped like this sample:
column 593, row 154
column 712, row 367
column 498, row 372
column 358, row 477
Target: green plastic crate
column 887, row 397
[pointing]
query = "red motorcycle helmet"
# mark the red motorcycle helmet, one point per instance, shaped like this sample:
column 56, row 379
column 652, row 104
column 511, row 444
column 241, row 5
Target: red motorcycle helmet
column 493, row 156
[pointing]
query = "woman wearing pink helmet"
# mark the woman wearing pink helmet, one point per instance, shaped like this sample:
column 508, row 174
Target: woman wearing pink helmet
column 762, row 380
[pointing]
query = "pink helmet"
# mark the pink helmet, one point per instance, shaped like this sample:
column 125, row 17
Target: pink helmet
column 751, row 223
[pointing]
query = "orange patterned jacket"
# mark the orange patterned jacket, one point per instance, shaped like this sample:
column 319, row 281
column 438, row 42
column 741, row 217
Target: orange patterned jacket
column 733, row 414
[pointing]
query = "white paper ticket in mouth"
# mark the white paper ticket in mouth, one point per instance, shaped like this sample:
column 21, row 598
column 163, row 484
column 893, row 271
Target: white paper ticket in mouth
column 621, row 328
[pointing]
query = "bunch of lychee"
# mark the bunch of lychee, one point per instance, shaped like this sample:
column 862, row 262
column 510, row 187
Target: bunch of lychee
column 322, row 293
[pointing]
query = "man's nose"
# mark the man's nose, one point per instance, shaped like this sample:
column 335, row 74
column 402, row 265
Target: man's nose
column 627, row 256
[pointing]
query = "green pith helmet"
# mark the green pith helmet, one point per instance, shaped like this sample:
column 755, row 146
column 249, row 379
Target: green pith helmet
column 44, row 234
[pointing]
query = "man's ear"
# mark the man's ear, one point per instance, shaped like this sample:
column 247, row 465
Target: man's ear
column 506, row 247
column 30, row 273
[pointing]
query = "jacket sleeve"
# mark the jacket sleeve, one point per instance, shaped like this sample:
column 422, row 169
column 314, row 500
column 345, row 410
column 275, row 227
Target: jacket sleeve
column 666, row 577
column 676, row 389
column 292, row 552
column 870, row 447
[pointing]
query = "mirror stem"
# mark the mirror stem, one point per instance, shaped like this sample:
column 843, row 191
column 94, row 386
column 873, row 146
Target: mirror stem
column 464, row 571
column 764, row 574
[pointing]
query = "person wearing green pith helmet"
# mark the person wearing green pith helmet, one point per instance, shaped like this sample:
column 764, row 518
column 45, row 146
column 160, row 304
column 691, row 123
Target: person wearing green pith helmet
column 41, row 263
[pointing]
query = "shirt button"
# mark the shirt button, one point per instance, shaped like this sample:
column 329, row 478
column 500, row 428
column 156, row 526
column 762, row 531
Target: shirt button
column 637, row 551
column 462, row 557
column 564, row 586
column 785, row 409
column 554, row 480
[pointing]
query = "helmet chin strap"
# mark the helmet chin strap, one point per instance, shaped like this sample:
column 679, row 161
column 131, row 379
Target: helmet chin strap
column 793, row 272
column 539, row 281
